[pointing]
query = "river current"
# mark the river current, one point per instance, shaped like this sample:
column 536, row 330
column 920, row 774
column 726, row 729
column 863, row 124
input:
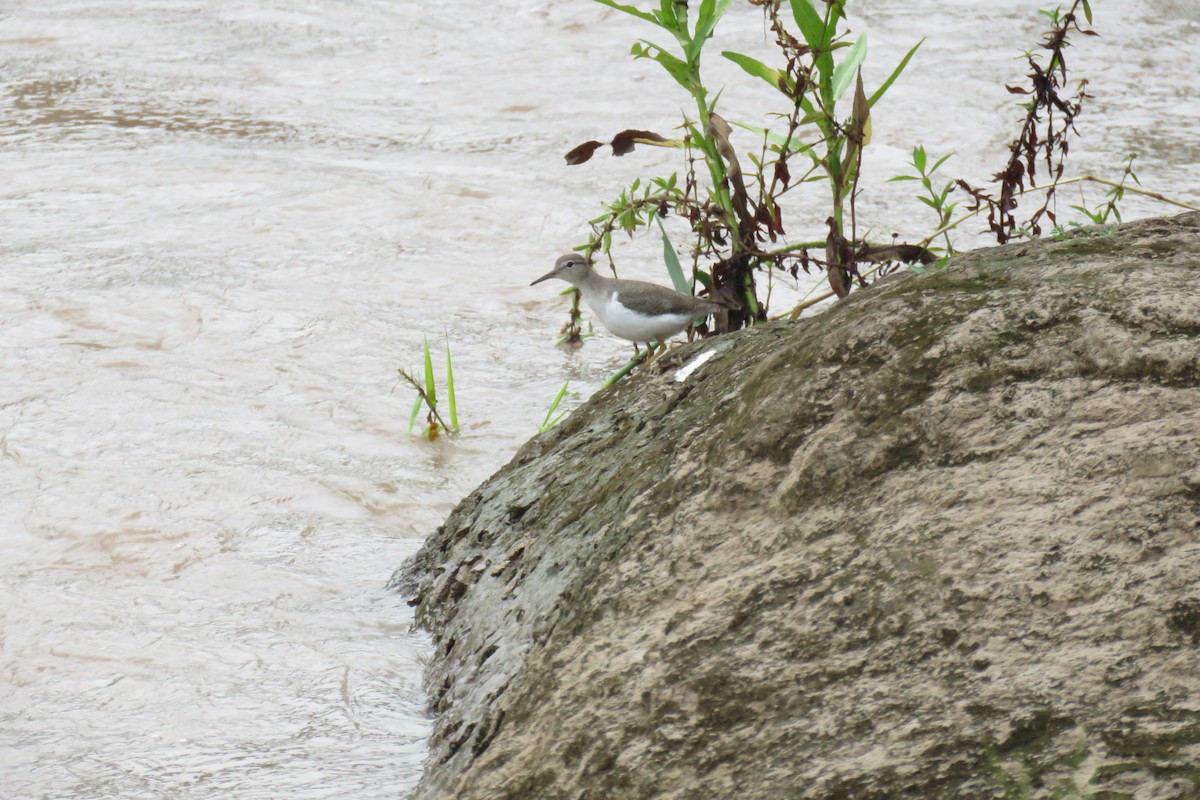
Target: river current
column 225, row 226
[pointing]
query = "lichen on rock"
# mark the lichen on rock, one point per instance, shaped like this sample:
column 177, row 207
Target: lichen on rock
column 942, row 541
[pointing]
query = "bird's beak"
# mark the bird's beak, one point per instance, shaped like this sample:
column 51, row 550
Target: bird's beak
column 546, row 277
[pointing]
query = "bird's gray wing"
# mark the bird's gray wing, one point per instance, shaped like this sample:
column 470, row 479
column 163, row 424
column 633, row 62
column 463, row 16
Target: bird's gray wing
column 654, row 299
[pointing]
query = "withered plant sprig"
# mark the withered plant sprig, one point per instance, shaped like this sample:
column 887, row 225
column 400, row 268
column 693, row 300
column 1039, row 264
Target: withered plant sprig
column 1044, row 136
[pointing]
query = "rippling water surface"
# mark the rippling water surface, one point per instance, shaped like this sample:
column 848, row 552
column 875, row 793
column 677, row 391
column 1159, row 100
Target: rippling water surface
column 223, row 226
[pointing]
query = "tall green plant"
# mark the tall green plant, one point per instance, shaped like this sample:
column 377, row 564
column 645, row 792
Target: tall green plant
column 815, row 80
column 736, row 216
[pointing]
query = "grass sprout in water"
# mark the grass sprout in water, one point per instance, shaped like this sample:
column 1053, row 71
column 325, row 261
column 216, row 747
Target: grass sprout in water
column 427, row 397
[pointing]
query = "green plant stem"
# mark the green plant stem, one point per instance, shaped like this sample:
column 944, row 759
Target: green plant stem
column 1049, row 186
column 425, row 398
column 637, row 360
column 1134, row 189
column 806, row 303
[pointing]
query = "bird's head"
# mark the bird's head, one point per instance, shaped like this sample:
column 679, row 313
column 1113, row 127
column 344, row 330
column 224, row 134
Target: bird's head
column 572, row 268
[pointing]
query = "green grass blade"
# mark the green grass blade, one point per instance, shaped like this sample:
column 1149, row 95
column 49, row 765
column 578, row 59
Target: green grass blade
column 666, row 16
column 412, row 423
column 450, row 388
column 895, row 74
column 710, row 13
column 673, row 265
column 629, row 10
column 941, row 161
column 430, row 386
column 551, row 420
column 845, row 71
column 773, row 138
column 781, row 142
column 677, row 68
column 752, row 66
column 559, row 397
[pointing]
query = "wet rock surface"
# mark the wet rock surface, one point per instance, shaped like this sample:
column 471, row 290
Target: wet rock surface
column 942, row 541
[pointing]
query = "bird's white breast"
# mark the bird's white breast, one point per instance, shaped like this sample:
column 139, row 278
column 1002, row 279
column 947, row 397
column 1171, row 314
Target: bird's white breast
column 634, row 326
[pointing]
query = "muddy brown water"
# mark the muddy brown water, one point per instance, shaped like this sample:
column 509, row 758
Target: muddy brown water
column 224, row 226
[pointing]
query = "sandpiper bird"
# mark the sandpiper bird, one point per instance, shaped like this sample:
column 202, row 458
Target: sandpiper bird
column 634, row 310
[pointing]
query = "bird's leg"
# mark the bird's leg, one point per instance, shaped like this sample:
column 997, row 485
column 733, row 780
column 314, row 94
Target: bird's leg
column 653, row 350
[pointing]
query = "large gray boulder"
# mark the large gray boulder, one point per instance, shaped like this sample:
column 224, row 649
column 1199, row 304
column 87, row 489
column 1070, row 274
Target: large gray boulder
column 940, row 541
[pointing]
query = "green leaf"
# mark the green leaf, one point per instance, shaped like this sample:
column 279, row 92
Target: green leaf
column 667, row 184
column 671, row 258
column 1087, row 11
column 902, row 178
column 430, row 387
column 825, row 68
column 629, row 10
column 450, row 387
column 777, row 78
column 846, row 70
column 412, row 422
column 817, row 115
column 549, row 423
column 1097, row 217
column 895, row 74
column 941, row 161
column 919, row 158
column 675, row 67
column 710, row 13
column 667, row 15
column 782, row 142
column 811, row 25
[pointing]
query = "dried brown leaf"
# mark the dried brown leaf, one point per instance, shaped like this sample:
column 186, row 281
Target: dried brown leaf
column 582, row 153
column 624, row 141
